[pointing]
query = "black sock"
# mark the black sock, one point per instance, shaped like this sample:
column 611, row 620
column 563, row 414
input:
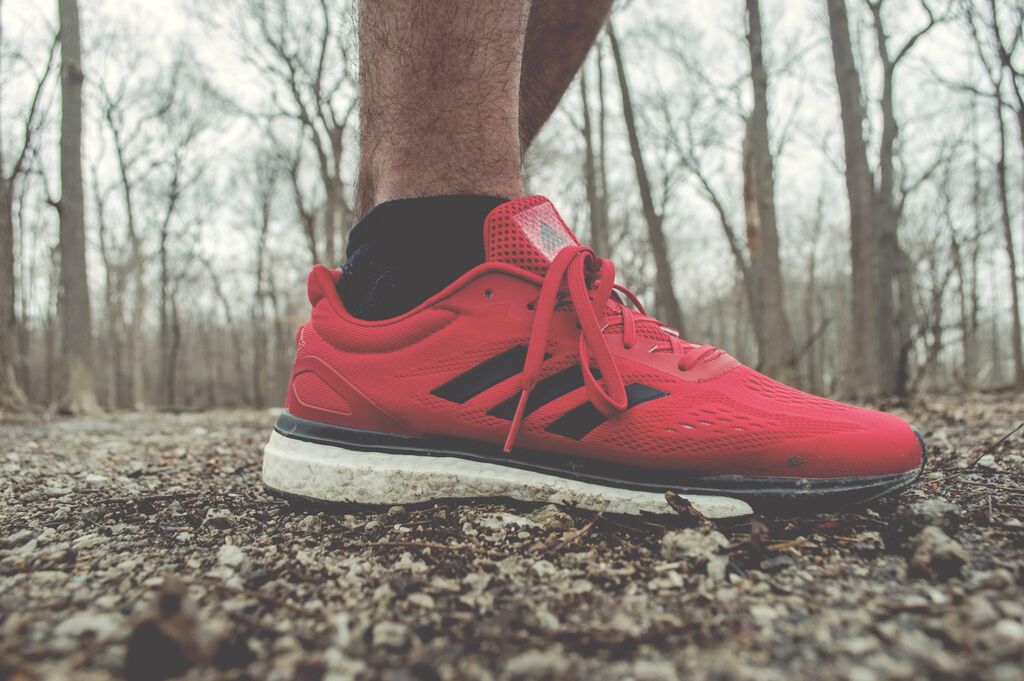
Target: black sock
column 402, row 252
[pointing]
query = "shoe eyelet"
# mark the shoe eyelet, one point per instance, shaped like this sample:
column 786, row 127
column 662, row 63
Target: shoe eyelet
column 488, row 293
column 531, row 306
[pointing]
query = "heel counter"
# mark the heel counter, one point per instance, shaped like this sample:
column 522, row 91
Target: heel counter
column 317, row 391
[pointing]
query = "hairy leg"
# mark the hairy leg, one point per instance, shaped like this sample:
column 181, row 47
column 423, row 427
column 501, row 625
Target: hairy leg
column 439, row 83
column 558, row 36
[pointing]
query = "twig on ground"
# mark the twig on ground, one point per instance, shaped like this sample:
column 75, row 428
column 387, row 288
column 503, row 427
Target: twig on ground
column 992, row 448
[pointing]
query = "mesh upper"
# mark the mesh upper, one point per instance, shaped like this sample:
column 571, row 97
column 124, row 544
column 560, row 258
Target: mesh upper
column 720, row 417
column 527, row 233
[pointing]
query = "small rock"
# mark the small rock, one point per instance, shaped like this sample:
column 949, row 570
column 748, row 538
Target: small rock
column 501, row 521
column 581, row 586
column 537, row 664
column 390, row 634
column 859, row 646
column 232, row 556
column 220, row 518
column 762, row 613
column 310, row 525
column 695, row 546
column 908, row 521
column 777, row 563
column 654, row 670
column 17, row 539
column 980, row 612
column 936, row 556
column 1007, row 637
column 421, row 600
column 987, row 461
column 552, row 518
column 869, row 544
column 98, row 624
column 87, row 541
column 396, row 512
column 543, row 568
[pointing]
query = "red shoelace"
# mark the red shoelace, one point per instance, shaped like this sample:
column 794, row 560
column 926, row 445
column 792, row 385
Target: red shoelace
column 590, row 282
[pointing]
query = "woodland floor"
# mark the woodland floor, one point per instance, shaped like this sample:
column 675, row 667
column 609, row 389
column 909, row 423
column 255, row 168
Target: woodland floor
column 143, row 546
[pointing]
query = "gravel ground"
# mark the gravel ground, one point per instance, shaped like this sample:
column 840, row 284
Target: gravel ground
column 143, row 546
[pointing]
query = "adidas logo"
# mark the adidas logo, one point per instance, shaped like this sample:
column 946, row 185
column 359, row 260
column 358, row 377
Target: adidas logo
column 575, row 423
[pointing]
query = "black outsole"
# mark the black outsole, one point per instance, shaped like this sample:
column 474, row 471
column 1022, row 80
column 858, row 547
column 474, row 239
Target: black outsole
column 764, row 494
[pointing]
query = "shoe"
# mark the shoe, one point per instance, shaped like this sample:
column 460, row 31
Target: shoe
column 534, row 376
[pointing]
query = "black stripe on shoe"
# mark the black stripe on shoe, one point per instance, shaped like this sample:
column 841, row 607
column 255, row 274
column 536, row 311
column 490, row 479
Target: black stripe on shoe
column 483, row 376
column 577, row 422
column 551, row 388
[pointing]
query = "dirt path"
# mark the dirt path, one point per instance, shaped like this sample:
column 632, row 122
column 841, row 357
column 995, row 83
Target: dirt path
column 143, row 546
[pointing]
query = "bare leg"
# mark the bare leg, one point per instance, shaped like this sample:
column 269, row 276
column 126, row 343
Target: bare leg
column 440, row 98
column 558, row 36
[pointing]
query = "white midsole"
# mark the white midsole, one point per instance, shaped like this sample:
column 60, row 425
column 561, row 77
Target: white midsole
column 335, row 474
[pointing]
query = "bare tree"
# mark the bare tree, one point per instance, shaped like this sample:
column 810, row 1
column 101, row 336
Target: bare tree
column 995, row 71
column 596, row 200
column 76, row 317
column 12, row 397
column 302, row 51
column 668, row 302
column 875, row 250
column 772, row 322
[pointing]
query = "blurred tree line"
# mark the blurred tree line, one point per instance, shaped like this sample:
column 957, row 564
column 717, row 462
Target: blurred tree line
column 830, row 190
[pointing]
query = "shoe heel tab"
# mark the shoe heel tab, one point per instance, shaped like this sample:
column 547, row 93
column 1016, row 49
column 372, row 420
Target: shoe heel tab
column 321, row 284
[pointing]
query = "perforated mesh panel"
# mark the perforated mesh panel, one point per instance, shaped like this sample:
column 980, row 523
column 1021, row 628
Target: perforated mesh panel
column 527, row 233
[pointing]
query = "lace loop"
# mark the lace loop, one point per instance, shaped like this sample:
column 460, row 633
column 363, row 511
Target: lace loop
column 591, row 283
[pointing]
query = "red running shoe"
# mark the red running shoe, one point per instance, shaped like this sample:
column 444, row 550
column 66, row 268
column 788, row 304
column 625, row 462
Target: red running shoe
column 534, row 376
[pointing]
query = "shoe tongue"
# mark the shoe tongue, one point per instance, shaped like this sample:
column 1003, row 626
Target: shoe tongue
column 527, row 233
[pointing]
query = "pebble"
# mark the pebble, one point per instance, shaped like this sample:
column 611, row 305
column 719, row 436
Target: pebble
column 219, row 518
column 543, row 568
column 17, row 539
column 777, row 563
column 552, row 518
column 980, row 611
column 869, row 544
column 537, row 664
column 391, row 634
column 912, row 519
column 691, row 545
column 1007, row 637
column 988, row 461
column 310, row 525
column 98, row 624
column 936, row 556
column 500, row 521
column 232, row 556
column 421, row 600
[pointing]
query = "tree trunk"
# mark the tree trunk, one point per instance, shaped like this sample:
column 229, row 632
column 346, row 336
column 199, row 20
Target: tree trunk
column 1011, row 253
column 79, row 390
column 12, row 397
column 166, row 376
column 894, row 270
column 668, row 303
column 774, row 341
column 135, row 359
column 602, row 156
column 865, row 367
column 598, row 226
